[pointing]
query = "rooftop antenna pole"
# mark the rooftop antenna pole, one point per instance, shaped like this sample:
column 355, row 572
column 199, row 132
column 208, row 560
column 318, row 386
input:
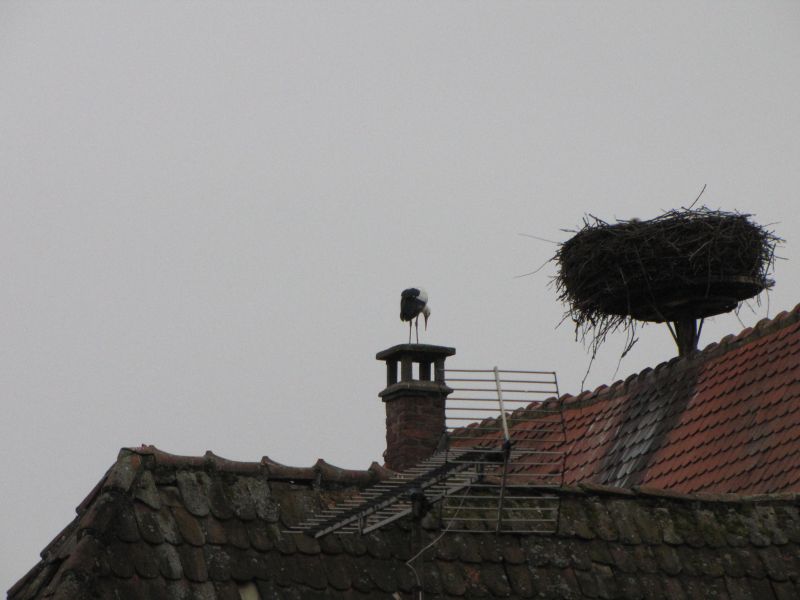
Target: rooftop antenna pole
column 506, row 449
column 500, row 400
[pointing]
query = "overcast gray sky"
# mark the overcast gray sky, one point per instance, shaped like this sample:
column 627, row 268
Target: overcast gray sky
column 209, row 209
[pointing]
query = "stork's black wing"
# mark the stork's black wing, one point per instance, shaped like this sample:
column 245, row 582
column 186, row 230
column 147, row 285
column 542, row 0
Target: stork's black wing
column 410, row 304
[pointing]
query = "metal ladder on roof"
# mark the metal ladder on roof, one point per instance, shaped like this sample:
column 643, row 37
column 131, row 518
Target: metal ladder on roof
column 494, row 474
column 512, row 482
column 426, row 483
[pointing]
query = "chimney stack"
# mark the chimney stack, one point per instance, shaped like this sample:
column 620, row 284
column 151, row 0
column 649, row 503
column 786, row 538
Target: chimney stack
column 415, row 420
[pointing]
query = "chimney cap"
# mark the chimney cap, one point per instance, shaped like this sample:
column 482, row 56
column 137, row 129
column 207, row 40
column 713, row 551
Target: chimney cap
column 416, row 351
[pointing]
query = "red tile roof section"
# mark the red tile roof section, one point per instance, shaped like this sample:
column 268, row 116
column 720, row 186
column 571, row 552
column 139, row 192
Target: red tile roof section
column 725, row 420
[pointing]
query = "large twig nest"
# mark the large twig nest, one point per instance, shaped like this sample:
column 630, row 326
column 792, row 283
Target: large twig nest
column 687, row 263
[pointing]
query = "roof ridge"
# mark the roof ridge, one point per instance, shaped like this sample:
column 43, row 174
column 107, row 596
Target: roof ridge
column 321, row 471
column 645, row 491
column 588, row 488
column 731, row 341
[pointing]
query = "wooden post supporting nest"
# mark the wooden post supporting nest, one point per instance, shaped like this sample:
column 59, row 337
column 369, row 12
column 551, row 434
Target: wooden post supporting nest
column 686, row 335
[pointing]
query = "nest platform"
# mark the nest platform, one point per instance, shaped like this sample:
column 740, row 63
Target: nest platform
column 689, row 300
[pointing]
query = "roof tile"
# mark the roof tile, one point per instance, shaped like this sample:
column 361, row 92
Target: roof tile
column 218, row 502
column 241, row 501
column 146, row 491
column 711, row 530
column 752, row 568
column 285, row 543
column 264, row 505
column 791, row 561
column 309, row 545
column 170, row 495
column 149, row 527
column 761, row 588
column 667, row 559
column 236, row 532
column 490, row 549
column 144, row 560
column 100, row 514
column 226, row 591
column 468, row 550
column 581, row 558
column 248, row 565
column 384, row 574
column 621, row 513
column 601, row 521
column 519, row 578
column 213, row 530
column 361, row 580
column 493, row 578
column 330, row 544
column 125, row 526
column 731, row 563
column 771, row 526
column 512, row 551
column 169, row 561
column 623, row 558
column 588, row 584
column 709, row 562
column 192, row 493
column 168, row 525
column 307, row 570
column 118, row 560
column 645, row 559
column 259, row 535
column 337, row 570
column 356, row 546
column 605, row 582
column 705, row 588
column 630, row 587
column 773, row 563
column 189, row 527
column 537, row 551
column 194, row 563
column 785, row 590
column 599, row 553
column 203, row 591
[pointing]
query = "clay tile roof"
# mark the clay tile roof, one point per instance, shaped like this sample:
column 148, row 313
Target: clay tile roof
column 161, row 527
column 724, row 420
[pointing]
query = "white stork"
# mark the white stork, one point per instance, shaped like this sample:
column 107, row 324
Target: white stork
column 413, row 302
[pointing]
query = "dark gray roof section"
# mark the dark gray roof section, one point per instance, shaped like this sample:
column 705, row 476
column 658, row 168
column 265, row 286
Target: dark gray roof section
column 164, row 527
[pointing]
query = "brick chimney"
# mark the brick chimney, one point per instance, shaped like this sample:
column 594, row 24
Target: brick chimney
column 415, row 419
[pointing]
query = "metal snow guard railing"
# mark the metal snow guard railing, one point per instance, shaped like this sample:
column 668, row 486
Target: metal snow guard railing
column 494, row 475
column 514, row 440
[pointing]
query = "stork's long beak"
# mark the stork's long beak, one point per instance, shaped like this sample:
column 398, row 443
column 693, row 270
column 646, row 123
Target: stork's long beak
column 426, row 321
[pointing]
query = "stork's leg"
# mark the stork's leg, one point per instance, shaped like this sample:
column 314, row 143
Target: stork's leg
column 416, row 324
column 409, row 332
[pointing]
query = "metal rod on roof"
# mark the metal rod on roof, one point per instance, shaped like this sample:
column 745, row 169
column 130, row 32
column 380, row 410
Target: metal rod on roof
column 467, row 408
column 460, row 389
column 500, row 370
column 479, row 380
